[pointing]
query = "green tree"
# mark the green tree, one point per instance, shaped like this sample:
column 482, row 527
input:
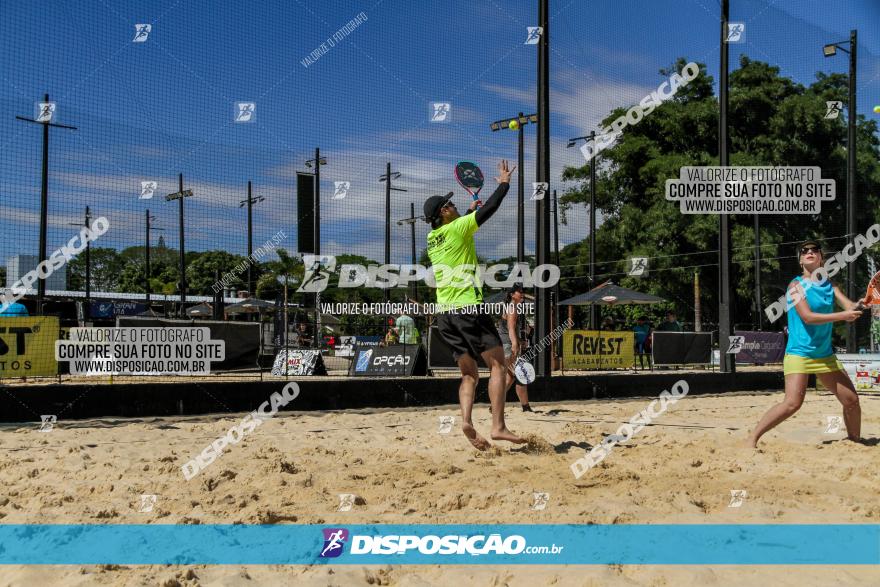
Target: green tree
column 202, row 271
column 106, row 266
column 773, row 121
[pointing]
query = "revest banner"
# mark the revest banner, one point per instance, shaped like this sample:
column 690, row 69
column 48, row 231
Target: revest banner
column 27, row 346
column 594, row 349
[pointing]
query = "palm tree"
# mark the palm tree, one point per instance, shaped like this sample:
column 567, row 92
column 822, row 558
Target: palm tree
column 286, row 269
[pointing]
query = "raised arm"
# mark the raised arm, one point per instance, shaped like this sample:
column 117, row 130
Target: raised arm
column 494, row 202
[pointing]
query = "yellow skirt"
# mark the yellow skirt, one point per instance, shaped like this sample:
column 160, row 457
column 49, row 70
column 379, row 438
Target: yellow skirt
column 796, row 364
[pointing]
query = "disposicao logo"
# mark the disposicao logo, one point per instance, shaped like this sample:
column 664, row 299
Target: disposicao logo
column 334, row 542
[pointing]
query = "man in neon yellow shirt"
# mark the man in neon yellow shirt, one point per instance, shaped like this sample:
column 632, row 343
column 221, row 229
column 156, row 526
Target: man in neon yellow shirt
column 461, row 322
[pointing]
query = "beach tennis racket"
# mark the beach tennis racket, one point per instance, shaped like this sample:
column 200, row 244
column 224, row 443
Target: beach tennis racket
column 872, row 295
column 524, row 371
column 470, row 177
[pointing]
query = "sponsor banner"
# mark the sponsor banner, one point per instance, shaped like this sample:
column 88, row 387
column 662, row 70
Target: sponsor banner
column 761, row 347
column 594, row 349
column 345, row 346
column 26, row 346
column 397, row 360
column 682, row 348
column 863, row 370
column 109, row 310
column 485, row 544
column 348, row 344
column 299, row 362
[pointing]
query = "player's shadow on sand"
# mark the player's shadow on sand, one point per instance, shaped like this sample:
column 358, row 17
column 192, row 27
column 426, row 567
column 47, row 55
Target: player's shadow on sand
column 566, row 446
column 555, row 412
column 865, row 441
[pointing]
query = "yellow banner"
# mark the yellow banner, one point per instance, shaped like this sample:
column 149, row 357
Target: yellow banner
column 27, row 346
column 592, row 349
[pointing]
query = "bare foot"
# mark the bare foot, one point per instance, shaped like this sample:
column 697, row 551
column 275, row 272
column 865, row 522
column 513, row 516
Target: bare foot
column 478, row 441
column 505, row 434
column 748, row 443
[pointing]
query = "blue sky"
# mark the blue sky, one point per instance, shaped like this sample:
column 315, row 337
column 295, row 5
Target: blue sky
column 147, row 111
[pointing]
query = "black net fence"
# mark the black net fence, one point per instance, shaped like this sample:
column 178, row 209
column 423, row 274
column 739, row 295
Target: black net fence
column 125, row 111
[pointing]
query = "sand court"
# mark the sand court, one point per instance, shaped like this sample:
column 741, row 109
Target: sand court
column 400, row 466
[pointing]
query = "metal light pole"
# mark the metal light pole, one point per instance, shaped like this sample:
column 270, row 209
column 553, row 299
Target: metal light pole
column 387, row 177
column 316, row 219
column 851, row 152
column 44, row 194
column 249, row 202
column 522, row 120
column 87, row 223
column 148, row 218
column 542, row 208
column 724, row 286
column 180, row 195
column 413, row 290
column 594, row 309
column 556, row 250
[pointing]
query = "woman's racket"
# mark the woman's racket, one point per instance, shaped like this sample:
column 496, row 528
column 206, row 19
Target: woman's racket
column 470, row 177
column 524, row 371
column 872, row 295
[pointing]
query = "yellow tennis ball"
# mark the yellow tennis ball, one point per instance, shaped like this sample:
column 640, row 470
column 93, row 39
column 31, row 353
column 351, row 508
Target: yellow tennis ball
column 514, row 124
column 877, row 109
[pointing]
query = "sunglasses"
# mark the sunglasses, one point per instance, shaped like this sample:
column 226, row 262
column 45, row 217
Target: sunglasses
column 447, row 205
column 806, row 250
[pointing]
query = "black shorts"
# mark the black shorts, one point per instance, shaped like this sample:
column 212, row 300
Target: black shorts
column 468, row 333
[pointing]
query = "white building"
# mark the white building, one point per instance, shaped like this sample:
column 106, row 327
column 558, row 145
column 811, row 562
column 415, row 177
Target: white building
column 19, row 265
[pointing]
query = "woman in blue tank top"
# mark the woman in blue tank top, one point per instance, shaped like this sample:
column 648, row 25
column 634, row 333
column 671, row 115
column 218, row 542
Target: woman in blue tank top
column 810, row 319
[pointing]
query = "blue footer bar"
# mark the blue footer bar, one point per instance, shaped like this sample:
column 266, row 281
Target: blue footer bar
column 661, row 544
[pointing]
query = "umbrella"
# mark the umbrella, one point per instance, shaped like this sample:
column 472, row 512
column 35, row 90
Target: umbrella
column 498, row 298
column 250, row 306
column 200, row 310
column 610, row 293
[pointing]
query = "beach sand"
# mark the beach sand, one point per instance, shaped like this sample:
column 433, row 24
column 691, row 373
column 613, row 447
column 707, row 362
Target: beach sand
column 292, row 469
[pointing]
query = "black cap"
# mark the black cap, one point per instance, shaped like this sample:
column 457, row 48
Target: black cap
column 516, row 287
column 433, row 204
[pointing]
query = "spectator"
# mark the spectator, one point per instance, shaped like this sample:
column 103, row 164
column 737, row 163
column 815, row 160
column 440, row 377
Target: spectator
column 390, row 337
column 407, row 333
column 608, row 323
column 642, row 331
column 670, row 324
column 513, row 331
column 303, row 338
column 14, row 310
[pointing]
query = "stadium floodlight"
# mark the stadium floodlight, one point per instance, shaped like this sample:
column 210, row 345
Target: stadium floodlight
column 504, row 124
column 830, row 50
